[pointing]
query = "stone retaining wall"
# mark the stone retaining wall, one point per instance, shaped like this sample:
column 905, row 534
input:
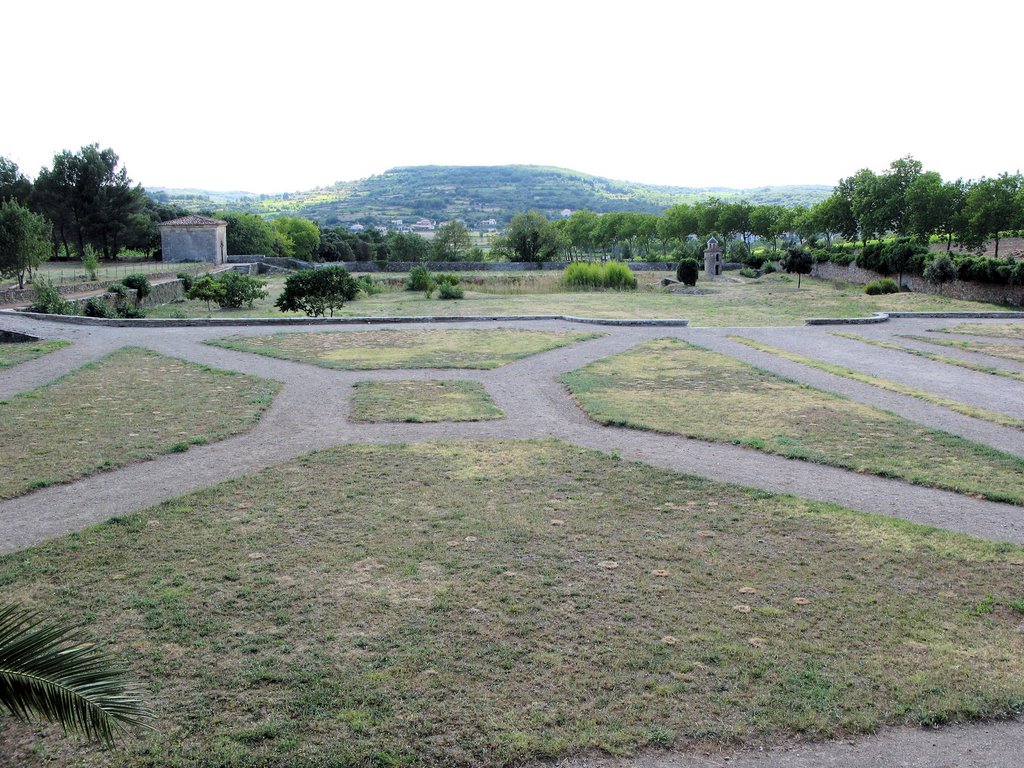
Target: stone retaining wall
column 14, row 337
column 1011, row 295
column 443, row 266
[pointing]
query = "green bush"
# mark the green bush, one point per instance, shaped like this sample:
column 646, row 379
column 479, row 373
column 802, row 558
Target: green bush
column 688, row 270
column 186, row 281
column 98, row 307
column 748, row 272
column 239, row 290
column 619, row 276
column 206, row 288
column 881, row 286
column 940, row 270
column 419, row 279
column 583, row 275
column 443, row 278
column 767, row 267
column 874, row 257
column 139, row 283
column 317, row 291
column 449, row 291
column 90, row 261
column 368, row 286
column 48, row 299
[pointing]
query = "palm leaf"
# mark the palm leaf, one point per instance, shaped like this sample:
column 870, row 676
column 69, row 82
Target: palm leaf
column 47, row 671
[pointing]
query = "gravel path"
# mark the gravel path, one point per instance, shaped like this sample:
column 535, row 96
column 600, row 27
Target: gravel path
column 311, row 413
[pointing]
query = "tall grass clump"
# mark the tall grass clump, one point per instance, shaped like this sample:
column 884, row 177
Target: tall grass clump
column 589, row 275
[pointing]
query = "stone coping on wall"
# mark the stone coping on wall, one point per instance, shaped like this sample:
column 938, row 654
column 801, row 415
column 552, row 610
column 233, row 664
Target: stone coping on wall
column 217, row 322
column 881, row 317
column 16, row 337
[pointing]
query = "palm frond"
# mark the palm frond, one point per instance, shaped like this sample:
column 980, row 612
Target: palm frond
column 47, row 671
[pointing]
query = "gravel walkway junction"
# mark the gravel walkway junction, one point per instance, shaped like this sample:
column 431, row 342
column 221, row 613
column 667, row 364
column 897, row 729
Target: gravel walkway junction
column 311, row 413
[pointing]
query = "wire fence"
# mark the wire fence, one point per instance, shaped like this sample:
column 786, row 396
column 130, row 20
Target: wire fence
column 73, row 272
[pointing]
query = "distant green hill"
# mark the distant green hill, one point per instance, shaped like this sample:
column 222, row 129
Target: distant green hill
column 478, row 193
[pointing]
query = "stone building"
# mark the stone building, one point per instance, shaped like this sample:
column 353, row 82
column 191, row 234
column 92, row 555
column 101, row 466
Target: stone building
column 713, row 258
column 194, row 238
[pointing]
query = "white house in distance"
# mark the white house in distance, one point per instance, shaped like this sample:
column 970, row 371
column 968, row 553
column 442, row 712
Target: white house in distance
column 194, row 238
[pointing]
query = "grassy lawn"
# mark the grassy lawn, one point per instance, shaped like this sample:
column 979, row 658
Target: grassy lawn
column 674, row 387
column 1013, row 352
column 130, row 405
column 422, row 401
column 18, row 352
column 401, row 348
column 772, row 300
column 892, row 386
column 484, row 604
column 997, row 330
column 937, row 357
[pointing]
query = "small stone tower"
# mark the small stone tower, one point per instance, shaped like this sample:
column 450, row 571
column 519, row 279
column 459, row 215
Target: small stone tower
column 194, row 238
column 713, row 258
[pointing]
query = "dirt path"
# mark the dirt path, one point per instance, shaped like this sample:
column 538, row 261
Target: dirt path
column 311, row 413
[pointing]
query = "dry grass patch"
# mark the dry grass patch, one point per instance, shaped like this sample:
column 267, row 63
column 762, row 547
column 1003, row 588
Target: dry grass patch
column 892, row 386
column 1014, row 352
column 996, row 330
column 970, row 365
column 423, row 401
column 391, row 348
column 128, row 406
column 18, row 352
column 455, row 604
column 674, row 387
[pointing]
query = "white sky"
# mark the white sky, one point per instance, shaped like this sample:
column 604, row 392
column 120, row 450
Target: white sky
column 272, row 97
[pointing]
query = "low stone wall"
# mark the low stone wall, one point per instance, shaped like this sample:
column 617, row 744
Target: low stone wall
column 165, row 292
column 1011, row 295
column 14, row 337
column 444, row 266
column 218, row 322
column 16, row 296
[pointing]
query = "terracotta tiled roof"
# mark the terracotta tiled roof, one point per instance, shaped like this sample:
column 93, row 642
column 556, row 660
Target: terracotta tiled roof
column 191, row 221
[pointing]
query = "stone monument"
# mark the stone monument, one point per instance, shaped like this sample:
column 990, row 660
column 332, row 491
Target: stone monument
column 713, row 258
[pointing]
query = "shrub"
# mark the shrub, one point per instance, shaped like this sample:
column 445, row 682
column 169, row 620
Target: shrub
column 582, row 275
column 98, row 307
column 48, row 299
column 618, row 276
column 317, row 291
column 368, row 286
column 186, row 281
column 585, row 275
column 90, row 261
column 748, row 272
column 419, row 279
column 442, row 278
column 940, row 271
column 767, row 267
column 239, row 290
column 140, row 283
column 206, row 288
column 873, row 256
column 881, row 286
column 688, row 271
column 449, row 291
